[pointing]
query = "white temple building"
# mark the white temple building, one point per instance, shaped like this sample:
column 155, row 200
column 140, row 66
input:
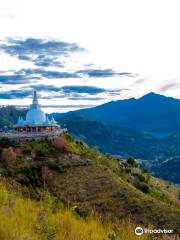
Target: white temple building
column 36, row 120
column 37, row 124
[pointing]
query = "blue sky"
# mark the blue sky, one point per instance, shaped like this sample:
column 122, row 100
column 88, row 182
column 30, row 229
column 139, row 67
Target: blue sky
column 84, row 53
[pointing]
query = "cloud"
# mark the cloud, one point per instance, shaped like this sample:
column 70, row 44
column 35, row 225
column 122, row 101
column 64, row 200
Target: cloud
column 40, row 72
column 70, row 89
column 24, row 76
column 43, row 52
column 8, row 16
column 44, row 61
column 98, row 72
column 62, row 106
column 127, row 74
column 86, row 98
column 28, row 75
column 13, row 94
column 170, row 86
column 41, row 87
column 104, row 73
column 16, row 78
column 90, row 93
column 69, row 92
column 83, row 89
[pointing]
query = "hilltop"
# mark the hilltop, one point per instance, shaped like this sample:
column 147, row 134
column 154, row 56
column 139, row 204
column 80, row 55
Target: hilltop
column 81, row 177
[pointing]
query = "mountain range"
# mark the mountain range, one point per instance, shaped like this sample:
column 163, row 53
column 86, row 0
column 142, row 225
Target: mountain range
column 153, row 113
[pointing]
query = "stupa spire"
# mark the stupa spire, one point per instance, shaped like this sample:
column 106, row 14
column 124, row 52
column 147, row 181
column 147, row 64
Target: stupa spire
column 35, row 99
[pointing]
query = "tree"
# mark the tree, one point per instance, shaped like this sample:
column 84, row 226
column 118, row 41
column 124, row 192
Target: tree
column 131, row 161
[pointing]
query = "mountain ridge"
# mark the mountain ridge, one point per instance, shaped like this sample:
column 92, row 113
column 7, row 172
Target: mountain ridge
column 153, row 113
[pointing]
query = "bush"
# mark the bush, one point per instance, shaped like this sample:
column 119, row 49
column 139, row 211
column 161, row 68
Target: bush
column 139, row 176
column 55, row 165
column 128, row 170
column 131, row 161
column 41, row 150
column 142, row 186
column 112, row 236
column 5, row 142
column 33, row 176
column 60, row 144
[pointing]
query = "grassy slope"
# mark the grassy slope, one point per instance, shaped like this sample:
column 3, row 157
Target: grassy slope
column 84, row 178
column 25, row 219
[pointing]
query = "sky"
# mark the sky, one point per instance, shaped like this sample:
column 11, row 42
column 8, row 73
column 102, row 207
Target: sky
column 80, row 54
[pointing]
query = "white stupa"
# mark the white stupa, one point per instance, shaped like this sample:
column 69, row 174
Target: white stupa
column 36, row 120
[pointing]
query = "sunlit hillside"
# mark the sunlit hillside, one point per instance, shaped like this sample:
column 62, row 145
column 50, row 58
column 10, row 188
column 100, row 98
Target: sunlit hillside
column 25, row 219
column 62, row 189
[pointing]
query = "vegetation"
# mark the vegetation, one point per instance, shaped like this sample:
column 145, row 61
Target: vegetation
column 99, row 188
column 23, row 218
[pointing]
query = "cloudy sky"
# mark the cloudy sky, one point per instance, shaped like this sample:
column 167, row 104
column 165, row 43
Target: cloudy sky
column 86, row 52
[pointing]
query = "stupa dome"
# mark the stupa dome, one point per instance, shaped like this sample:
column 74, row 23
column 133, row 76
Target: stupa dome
column 35, row 116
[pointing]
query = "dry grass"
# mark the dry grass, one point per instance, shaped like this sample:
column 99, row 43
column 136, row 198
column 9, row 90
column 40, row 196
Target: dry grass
column 25, row 219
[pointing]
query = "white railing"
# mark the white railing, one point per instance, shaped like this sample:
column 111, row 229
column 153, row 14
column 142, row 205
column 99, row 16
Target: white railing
column 32, row 135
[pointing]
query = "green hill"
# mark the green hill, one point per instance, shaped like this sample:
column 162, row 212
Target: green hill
column 89, row 182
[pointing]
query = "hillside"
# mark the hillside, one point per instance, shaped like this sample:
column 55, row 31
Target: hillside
column 162, row 154
column 80, row 177
column 152, row 113
column 24, row 218
column 113, row 139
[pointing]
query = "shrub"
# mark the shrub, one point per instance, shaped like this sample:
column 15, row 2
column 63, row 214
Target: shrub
column 41, row 150
column 112, row 236
column 55, row 166
column 142, row 186
column 60, row 144
column 139, row 176
column 131, row 161
column 33, row 177
column 179, row 195
column 5, row 142
column 128, row 170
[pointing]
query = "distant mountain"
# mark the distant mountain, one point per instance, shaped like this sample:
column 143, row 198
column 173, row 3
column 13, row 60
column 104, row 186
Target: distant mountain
column 152, row 113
